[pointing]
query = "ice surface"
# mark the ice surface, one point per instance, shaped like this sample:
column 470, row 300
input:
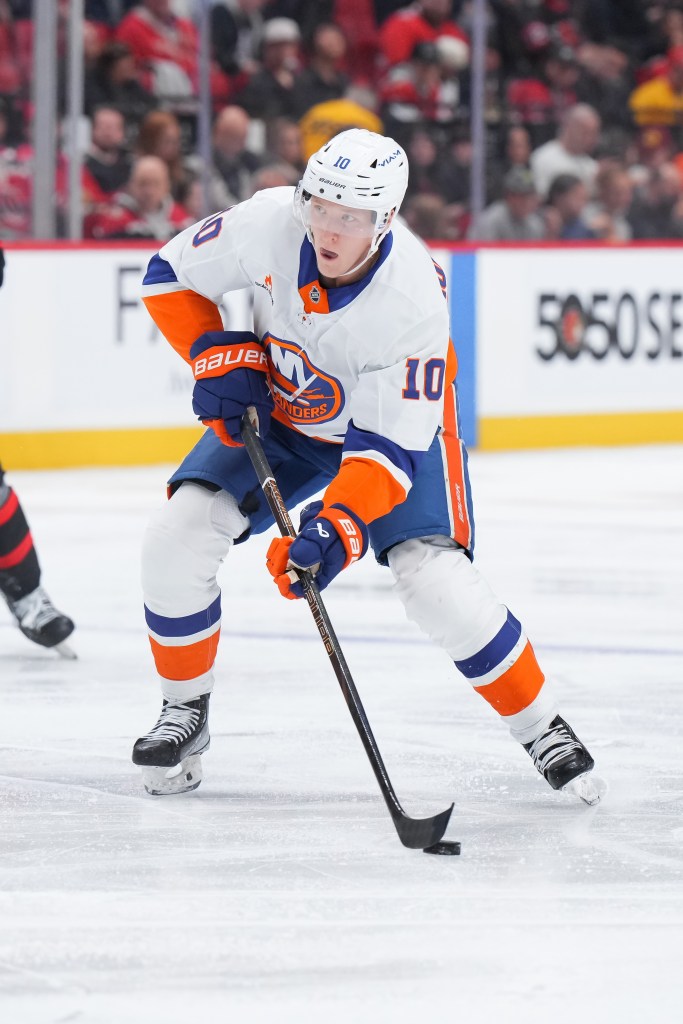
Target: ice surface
column 279, row 891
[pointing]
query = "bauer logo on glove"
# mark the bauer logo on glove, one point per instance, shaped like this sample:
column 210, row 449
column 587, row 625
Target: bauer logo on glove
column 329, row 540
column 231, row 373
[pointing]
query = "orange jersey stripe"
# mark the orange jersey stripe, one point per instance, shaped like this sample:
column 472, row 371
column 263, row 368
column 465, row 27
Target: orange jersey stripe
column 366, row 487
column 456, row 482
column 518, row 687
column 185, row 662
column 182, row 317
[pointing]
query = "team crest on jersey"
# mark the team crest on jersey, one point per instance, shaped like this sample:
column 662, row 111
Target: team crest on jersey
column 314, row 294
column 300, row 389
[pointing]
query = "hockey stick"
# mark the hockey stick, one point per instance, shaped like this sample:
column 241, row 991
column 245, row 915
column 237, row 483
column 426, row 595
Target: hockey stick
column 415, row 833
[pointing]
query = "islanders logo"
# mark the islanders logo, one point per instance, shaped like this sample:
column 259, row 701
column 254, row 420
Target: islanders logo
column 303, row 392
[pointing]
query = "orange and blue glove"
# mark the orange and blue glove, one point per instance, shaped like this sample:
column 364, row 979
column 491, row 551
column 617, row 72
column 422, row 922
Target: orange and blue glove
column 329, row 539
column 231, row 373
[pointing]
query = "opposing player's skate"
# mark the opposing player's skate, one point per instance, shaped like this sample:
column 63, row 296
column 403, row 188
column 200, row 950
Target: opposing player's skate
column 41, row 622
column 563, row 761
column 170, row 753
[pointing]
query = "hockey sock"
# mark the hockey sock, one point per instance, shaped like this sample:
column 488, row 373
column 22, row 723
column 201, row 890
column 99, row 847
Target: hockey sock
column 19, row 568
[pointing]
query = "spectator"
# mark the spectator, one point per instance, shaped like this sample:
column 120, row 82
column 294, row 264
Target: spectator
column 517, row 148
column 236, row 30
column 409, row 92
column 324, row 78
column 358, row 21
column 283, row 143
column 270, row 92
column 660, row 101
column 274, row 176
column 233, row 164
column 456, row 167
column 657, row 208
column 422, row 22
column 160, row 135
column 146, row 209
column 425, row 163
column 569, row 153
column 324, row 120
column 565, row 209
column 107, row 164
column 113, row 82
column 430, row 217
column 607, row 215
column 164, row 46
column 514, row 218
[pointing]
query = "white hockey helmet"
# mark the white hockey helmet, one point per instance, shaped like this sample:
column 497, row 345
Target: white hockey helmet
column 359, row 169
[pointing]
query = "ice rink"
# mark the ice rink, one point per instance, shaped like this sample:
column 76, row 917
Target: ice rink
column 279, row 892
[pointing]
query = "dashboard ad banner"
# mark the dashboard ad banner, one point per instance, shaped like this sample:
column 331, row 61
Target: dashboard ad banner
column 579, row 331
column 78, row 349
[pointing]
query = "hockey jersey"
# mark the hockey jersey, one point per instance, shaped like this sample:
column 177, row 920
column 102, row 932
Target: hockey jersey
column 364, row 365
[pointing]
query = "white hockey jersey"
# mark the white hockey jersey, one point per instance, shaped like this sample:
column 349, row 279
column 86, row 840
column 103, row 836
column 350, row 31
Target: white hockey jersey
column 364, row 365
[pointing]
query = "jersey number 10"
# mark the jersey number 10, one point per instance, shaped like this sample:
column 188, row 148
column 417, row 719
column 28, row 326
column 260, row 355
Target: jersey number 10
column 432, row 384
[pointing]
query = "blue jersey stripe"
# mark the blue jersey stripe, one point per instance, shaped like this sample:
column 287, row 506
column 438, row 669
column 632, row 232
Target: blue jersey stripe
column 494, row 652
column 184, row 625
column 159, row 271
column 362, row 440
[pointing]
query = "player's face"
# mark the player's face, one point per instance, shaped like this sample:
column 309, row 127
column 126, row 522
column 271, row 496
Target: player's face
column 341, row 236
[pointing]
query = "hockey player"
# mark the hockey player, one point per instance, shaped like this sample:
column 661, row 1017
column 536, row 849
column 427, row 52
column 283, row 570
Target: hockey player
column 28, row 602
column 352, row 373
column 35, row 614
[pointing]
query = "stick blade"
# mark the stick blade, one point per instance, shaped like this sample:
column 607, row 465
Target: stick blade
column 418, row 833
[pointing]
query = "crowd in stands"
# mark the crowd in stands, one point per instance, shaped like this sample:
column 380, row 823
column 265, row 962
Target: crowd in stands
column 583, row 109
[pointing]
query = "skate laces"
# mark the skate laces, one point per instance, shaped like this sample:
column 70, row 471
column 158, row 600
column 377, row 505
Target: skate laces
column 552, row 746
column 176, row 722
column 35, row 610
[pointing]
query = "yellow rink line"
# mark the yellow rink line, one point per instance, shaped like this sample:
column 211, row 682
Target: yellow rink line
column 149, row 445
column 499, row 433
column 68, row 448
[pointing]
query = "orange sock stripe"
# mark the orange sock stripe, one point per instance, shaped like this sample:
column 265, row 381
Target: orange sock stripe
column 462, row 527
column 185, row 662
column 518, row 687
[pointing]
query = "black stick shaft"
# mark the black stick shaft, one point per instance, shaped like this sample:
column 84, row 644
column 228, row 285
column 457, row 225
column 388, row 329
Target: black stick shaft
column 414, row 833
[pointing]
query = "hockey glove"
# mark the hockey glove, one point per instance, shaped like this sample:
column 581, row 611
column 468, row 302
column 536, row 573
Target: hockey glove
column 329, row 539
column 231, row 372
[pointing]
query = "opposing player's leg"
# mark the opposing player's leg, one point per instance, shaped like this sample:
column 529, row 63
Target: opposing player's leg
column 20, row 577
column 428, row 542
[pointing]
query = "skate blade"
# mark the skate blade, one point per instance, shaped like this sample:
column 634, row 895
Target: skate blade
column 589, row 788
column 181, row 778
column 66, row 652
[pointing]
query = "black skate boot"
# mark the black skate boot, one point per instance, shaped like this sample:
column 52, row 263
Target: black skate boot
column 170, row 752
column 39, row 620
column 563, row 761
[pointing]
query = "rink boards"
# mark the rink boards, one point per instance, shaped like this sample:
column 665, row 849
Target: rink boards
column 576, row 345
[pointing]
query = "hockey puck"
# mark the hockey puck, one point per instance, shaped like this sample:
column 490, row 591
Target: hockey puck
column 446, row 848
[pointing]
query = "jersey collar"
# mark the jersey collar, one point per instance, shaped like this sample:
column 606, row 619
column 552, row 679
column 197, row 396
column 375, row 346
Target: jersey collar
column 316, row 298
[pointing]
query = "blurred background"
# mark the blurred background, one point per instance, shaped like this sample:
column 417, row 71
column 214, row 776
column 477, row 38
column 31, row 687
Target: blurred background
column 523, row 119
column 545, row 140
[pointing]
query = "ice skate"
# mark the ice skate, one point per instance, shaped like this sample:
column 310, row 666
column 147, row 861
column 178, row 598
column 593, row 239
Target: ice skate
column 39, row 620
column 170, row 753
column 564, row 762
